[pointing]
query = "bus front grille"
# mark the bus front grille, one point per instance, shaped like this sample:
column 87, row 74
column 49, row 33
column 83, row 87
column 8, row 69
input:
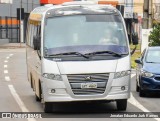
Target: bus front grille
column 76, row 80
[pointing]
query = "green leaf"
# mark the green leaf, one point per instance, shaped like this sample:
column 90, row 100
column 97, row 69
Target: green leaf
column 155, row 36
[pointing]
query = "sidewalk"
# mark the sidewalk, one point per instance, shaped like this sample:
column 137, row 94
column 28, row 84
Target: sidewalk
column 12, row 45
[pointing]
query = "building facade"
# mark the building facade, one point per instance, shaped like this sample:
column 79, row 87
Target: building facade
column 9, row 25
column 138, row 6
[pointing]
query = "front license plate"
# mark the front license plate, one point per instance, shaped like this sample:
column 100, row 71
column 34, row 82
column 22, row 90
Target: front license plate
column 88, row 85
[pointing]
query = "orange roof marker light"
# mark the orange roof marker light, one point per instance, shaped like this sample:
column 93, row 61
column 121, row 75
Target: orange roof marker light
column 54, row 1
column 36, row 17
column 113, row 3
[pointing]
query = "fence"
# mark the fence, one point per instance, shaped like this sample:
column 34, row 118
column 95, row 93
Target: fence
column 9, row 29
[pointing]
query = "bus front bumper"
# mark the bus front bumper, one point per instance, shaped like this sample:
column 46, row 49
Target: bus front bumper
column 60, row 92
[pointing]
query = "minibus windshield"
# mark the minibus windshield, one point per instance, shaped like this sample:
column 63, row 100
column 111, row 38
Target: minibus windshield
column 84, row 34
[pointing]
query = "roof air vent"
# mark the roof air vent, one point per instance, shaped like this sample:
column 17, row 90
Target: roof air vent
column 79, row 3
column 48, row 5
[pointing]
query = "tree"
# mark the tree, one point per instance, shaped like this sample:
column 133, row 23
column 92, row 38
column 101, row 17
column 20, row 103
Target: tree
column 155, row 36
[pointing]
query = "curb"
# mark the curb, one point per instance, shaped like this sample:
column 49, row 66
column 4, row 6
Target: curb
column 13, row 46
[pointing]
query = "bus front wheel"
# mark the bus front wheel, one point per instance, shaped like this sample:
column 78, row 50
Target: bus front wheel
column 47, row 106
column 122, row 104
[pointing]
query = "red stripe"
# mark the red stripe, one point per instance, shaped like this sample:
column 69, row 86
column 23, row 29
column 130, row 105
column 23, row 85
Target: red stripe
column 54, row 1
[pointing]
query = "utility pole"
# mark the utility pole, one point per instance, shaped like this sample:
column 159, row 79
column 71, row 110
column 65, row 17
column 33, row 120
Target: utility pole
column 147, row 14
column 147, row 23
column 150, row 22
column 21, row 25
column 27, row 6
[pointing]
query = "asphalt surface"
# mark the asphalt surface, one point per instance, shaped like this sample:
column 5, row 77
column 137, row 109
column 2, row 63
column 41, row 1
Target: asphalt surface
column 16, row 95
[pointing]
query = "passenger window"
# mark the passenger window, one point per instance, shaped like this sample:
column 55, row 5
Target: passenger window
column 34, row 29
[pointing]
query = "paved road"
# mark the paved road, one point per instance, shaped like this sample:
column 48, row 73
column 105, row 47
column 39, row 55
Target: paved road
column 17, row 96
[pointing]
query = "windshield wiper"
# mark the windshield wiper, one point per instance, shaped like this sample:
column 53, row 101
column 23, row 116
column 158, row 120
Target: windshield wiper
column 152, row 62
column 70, row 53
column 103, row 52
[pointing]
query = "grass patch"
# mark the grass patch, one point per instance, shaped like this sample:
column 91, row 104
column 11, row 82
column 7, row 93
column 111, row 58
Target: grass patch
column 136, row 55
column 138, row 47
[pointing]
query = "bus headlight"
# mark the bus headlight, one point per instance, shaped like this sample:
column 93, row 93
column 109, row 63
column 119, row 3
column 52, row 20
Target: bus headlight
column 121, row 74
column 52, row 76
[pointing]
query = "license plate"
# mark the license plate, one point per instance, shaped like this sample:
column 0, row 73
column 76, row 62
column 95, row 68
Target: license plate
column 88, row 85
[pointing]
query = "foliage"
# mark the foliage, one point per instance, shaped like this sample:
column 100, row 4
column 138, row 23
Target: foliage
column 155, row 36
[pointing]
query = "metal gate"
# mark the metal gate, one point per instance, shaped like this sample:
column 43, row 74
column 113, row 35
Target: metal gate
column 9, row 29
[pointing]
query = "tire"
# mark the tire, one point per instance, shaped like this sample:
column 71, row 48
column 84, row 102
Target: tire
column 122, row 104
column 137, row 87
column 141, row 93
column 47, row 106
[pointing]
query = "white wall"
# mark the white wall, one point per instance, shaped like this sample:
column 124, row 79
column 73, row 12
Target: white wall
column 11, row 9
column 5, row 1
column 157, row 1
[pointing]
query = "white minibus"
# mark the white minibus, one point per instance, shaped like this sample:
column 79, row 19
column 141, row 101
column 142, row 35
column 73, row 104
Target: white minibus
column 78, row 51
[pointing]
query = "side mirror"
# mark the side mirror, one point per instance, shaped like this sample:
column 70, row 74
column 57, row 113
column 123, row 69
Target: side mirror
column 138, row 61
column 135, row 39
column 37, row 42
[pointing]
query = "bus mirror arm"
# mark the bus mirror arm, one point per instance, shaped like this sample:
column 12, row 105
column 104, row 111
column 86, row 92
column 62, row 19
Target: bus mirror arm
column 39, row 54
column 37, row 42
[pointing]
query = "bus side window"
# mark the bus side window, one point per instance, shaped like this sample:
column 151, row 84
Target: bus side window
column 39, row 31
column 28, row 34
column 38, row 35
column 31, row 35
